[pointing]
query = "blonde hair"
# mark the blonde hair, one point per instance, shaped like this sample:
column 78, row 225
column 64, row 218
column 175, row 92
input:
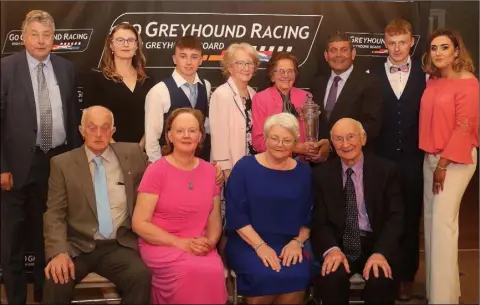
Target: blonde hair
column 463, row 62
column 285, row 120
column 398, row 26
column 38, row 16
column 229, row 56
column 107, row 65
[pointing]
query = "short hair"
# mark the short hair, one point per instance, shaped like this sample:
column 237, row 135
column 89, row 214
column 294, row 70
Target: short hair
column 107, row 65
column 339, row 36
column 85, row 113
column 359, row 126
column 285, row 120
column 38, row 16
column 229, row 56
column 276, row 57
column 168, row 147
column 398, row 26
column 189, row 42
column 463, row 62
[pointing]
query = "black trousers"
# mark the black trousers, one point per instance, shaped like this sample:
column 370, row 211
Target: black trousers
column 334, row 288
column 411, row 169
column 22, row 224
column 120, row 265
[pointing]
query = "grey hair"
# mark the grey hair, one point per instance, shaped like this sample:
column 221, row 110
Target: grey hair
column 38, row 16
column 359, row 126
column 285, row 120
column 229, row 56
column 85, row 113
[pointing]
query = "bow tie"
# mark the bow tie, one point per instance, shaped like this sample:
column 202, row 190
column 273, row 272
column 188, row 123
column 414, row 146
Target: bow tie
column 403, row 68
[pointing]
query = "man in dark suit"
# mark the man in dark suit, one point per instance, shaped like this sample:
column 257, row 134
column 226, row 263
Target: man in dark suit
column 347, row 92
column 357, row 220
column 39, row 115
column 403, row 82
column 87, row 225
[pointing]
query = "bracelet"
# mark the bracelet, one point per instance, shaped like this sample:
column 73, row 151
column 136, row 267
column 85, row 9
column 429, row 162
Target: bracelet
column 441, row 168
column 301, row 244
column 259, row 245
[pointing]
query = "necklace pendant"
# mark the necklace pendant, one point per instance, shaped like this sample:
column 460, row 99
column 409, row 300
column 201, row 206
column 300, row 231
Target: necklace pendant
column 190, row 185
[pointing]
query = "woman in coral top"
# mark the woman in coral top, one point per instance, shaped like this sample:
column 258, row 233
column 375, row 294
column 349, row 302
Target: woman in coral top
column 449, row 137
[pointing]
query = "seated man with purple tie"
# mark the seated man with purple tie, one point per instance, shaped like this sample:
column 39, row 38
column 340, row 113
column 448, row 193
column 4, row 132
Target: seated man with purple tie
column 358, row 218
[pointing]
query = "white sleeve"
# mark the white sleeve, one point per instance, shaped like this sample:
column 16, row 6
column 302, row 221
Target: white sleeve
column 157, row 104
column 208, row 87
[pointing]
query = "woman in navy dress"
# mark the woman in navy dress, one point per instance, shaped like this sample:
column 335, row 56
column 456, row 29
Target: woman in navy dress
column 268, row 208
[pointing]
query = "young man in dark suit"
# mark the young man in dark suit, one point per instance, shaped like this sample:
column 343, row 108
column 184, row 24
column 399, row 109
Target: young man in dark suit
column 357, row 219
column 39, row 119
column 403, row 82
column 346, row 91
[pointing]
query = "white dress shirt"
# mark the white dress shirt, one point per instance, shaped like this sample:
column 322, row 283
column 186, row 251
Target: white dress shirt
column 157, row 103
column 398, row 80
column 59, row 135
column 344, row 76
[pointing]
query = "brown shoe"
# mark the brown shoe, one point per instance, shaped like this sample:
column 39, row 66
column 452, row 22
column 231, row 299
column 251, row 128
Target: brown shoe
column 405, row 291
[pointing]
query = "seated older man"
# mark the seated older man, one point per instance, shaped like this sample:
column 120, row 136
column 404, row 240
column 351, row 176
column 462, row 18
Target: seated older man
column 358, row 218
column 92, row 191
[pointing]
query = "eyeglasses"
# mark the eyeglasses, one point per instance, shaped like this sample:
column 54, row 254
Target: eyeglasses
column 121, row 41
column 285, row 142
column 242, row 64
column 288, row 72
column 350, row 138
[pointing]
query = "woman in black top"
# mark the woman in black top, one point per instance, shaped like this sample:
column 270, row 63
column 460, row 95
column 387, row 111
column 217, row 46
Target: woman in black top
column 121, row 84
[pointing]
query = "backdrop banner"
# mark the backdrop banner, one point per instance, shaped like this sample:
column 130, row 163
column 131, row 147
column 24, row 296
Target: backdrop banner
column 295, row 26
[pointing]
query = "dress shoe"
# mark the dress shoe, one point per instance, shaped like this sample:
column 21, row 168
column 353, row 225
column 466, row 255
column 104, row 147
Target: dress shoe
column 405, row 291
column 37, row 295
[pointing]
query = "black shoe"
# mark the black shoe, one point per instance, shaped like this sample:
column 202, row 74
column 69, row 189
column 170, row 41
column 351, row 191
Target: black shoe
column 37, row 295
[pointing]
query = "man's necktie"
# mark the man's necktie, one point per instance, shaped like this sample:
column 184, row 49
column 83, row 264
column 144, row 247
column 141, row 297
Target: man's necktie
column 193, row 94
column 46, row 121
column 105, row 222
column 351, row 237
column 403, row 68
column 332, row 96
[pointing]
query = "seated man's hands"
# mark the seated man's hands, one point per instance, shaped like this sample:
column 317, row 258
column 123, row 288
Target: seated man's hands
column 291, row 254
column 61, row 269
column 6, row 181
column 332, row 261
column 269, row 257
column 323, row 151
column 376, row 261
column 219, row 178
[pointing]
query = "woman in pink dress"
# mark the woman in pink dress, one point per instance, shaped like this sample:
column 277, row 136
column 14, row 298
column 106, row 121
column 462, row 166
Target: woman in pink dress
column 449, row 137
column 177, row 218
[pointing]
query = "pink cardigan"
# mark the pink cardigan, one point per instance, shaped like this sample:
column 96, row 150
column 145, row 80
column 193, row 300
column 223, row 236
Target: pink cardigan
column 227, row 125
column 267, row 103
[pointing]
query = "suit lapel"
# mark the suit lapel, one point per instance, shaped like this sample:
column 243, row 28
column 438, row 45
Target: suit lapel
column 85, row 177
column 369, row 188
column 236, row 97
column 61, row 78
column 124, row 162
column 338, row 192
column 26, row 79
column 277, row 100
column 344, row 98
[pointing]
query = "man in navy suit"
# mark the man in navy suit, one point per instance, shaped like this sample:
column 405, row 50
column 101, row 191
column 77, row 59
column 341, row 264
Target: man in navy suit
column 403, row 82
column 39, row 119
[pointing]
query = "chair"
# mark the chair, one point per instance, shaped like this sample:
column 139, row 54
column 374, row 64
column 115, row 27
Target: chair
column 230, row 274
column 93, row 280
column 357, row 283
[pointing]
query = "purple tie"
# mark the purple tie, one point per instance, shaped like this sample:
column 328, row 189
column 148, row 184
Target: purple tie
column 332, row 96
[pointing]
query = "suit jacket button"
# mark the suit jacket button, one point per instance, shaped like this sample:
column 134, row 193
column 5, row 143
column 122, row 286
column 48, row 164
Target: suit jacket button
column 91, row 246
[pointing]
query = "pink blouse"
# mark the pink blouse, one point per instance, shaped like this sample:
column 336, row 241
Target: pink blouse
column 449, row 118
